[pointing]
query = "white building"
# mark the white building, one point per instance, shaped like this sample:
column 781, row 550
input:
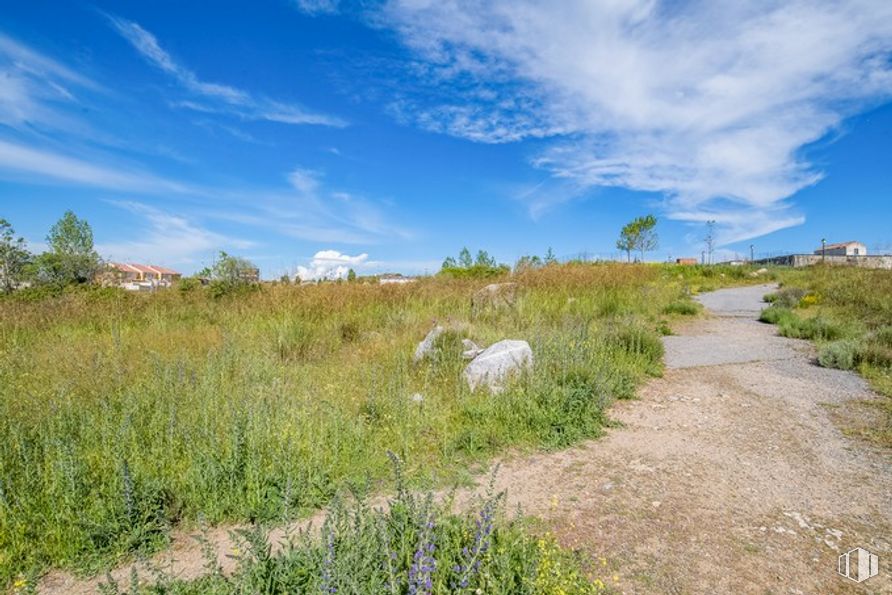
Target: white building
column 843, row 249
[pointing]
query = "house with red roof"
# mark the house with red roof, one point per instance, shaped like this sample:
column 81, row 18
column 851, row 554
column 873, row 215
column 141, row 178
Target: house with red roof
column 142, row 277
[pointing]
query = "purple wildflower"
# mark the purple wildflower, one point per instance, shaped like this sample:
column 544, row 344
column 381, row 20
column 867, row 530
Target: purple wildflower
column 423, row 562
column 328, row 582
column 472, row 557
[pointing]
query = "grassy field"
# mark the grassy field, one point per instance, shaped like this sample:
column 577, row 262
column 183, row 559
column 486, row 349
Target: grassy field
column 123, row 415
column 848, row 313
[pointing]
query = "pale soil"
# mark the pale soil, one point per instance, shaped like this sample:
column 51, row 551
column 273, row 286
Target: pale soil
column 728, row 475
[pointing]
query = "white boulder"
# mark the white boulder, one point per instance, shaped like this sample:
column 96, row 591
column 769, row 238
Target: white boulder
column 494, row 296
column 426, row 347
column 470, row 350
column 497, row 363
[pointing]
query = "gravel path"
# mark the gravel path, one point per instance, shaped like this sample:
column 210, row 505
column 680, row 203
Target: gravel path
column 728, row 475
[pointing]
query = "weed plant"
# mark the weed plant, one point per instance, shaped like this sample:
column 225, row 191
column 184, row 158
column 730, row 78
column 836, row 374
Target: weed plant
column 123, row 415
column 848, row 312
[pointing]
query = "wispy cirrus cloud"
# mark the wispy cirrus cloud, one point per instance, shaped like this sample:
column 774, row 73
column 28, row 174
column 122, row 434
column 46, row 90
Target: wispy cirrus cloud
column 25, row 162
column 34, row 86
column 317, row 7
column 216, row 97
column 709, row 104
column 167, row 238
column 46, row 139
column 313, row 211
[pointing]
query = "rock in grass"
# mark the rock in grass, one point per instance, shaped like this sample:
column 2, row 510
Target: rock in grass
column 494, row 297
column 470, row 350
column 426, row 347
column 497, row 364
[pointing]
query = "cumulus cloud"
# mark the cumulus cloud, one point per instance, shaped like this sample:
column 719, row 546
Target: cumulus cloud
column 707, row 103
column 331, row 264
column 220, row 98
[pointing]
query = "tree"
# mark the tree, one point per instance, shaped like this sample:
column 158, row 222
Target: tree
column 638, row 234
column 351, row 276
column 466, row 267
column 232, row 269
column 647, row 237
column 285, row 279
column 549, row 257
column 628, row 239
column 71, row 258
column 14, row 257
column 484, row 259
column 231, row 273
column 464, row 259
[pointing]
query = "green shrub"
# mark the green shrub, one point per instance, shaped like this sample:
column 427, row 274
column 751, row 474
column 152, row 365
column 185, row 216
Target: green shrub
column 882, row 336
column 643, row 344
column 842, row 354
column 187, row 284
column 816, row 329
column 876, row 348
column 349, row 331
column 414, row 546
column 295, row 341
column 788, row 297
column 775, row 315
column 682, row 307
column 791, row 325
column 876, row 353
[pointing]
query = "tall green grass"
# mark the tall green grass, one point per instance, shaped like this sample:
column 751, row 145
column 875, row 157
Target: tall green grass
column 124, row 415
column 848, row 312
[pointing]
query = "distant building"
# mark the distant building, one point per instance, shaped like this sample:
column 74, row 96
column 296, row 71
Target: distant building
column 686, row 261
column 249, row 275
column 394, row 278
column 843, row 249
column 143, row 277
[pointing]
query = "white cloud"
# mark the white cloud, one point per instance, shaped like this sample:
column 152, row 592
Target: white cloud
column 165, row 238
column 708, row 103
column 223, row 98
column 317, row 7
column 33, row 85
column 33, row 93
column 40, row 165
column 331, row 264
column 314, row 212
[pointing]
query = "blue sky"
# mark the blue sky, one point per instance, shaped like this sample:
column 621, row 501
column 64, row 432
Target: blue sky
column 315, row 135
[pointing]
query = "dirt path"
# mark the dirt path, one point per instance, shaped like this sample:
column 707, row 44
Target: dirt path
column 728, row 475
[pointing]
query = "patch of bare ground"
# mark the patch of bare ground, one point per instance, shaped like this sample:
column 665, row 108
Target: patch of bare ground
column 727, row 475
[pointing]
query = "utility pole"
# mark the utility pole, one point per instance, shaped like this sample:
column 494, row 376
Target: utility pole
column 823, row 249
column 710, row 238
column 752, row 254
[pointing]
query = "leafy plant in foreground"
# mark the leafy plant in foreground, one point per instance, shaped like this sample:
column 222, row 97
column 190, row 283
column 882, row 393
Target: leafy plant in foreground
column 413, row 545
